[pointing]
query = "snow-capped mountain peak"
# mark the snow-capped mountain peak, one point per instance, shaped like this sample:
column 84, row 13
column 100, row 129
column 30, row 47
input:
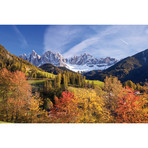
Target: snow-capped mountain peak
column 34, row 54
column 83, row 62
column 23, row 56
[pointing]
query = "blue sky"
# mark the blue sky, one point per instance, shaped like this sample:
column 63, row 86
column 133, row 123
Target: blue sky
column 118, row 41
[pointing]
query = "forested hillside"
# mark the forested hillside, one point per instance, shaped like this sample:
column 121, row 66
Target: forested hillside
column 53, row 69
column 14, row 63
column 134, row 68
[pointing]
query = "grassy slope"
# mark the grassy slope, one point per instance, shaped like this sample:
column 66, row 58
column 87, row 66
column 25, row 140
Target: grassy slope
column 3, row 122
column 41, row 81
column 36, row 82
column 96, row 82
column 78, row 91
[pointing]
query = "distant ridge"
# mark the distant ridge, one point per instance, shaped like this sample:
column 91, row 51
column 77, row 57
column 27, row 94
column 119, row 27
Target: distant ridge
column 84, row 62
column 53, row 69
column 133, row 68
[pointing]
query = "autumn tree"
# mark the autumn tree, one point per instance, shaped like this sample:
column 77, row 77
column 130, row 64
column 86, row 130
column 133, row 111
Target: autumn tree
column 65, row 109
column 93, row 85
column 73, row 79
column 79, row 80
column 58, row 80
column 130, row 108
column 80, row 107
column 17, row 94
column 112, row 88
column 5, row 83
column 91, row 107
column 140, row 88
column 146, row 87
column 88, row 84
column 65, row 81
column 35, row 113
column 5, row 91
column 17, row 102
column 130, row 84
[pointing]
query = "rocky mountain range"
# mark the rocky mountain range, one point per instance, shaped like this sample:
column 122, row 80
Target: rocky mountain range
column 84, row 62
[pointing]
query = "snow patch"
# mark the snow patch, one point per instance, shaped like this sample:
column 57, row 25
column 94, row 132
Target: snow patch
column 82, row 63
column 85, row 68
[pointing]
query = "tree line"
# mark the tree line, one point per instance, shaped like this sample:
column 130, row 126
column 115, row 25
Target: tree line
column 60, row 83
column 30, row 71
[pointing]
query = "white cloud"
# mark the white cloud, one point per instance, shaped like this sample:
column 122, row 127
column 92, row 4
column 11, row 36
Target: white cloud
column 81, row 46
column 124, row 42
column 96, row 40
column 146, row 31
column 117, row 41
column 21, row 37
column 59, row 36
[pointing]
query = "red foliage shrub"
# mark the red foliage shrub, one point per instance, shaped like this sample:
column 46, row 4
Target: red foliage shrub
column 129, row 108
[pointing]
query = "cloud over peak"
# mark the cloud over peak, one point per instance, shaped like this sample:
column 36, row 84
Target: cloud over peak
column 21, row 37
column 117, row 41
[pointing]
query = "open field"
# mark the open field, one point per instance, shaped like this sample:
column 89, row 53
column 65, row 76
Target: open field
column 78, row 91
column 41, row 81
column 3, row 122
column 96, row 82
column 36, row 82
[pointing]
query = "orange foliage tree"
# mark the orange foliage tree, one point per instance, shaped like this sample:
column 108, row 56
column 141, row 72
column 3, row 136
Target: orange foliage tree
column 65, row 109
column 16, row 98
column 130, row 108
column 80, row 107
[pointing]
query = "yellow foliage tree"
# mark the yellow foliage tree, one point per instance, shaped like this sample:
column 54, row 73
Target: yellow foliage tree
column 91, row 107
column 81, row 107
column 112, row 88
column 17, row 103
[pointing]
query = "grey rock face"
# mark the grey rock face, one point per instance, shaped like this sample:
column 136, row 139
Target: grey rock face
column 58, row 60
column 34, row 58
column 23, row 56
column 48, row 57
column 90, row 60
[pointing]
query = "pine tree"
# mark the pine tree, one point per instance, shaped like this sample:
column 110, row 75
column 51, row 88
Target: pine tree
column 1, row 65
column 68, row 80
column 50, row 84
column 88, row 85
column 73, row 79
column 79, row 81
column 65, row 84
column 55, row 83
column 92, row 85
column 84, row 81
column 59, row 80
